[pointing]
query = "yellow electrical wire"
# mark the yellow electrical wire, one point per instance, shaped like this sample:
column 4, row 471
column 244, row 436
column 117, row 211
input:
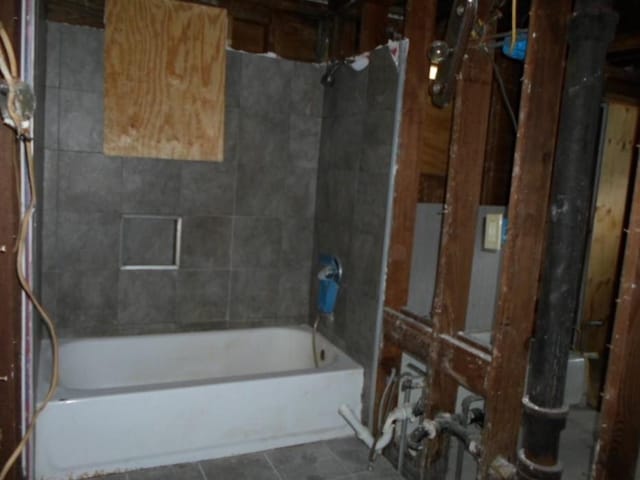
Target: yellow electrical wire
column 11, row 76
column 514, row 15
column 9, row 51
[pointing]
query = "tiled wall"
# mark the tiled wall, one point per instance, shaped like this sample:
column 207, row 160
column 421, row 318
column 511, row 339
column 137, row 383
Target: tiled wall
column 353, row 183
column 247, row 223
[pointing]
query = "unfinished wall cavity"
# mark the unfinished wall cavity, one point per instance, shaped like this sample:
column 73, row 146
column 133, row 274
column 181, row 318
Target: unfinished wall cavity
column 353, row 184
column 484, row 274
column 247, row 222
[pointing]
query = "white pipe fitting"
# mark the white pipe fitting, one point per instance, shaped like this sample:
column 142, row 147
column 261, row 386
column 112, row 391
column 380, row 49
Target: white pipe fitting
column 361, row 431
column 400, row 413
column 431, row 428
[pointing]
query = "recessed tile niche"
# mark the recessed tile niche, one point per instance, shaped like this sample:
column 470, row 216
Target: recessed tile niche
column 150, row 242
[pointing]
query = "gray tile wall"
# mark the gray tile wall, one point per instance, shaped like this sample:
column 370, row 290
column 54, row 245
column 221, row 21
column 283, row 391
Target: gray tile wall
column 353, row 181
column 247, row 223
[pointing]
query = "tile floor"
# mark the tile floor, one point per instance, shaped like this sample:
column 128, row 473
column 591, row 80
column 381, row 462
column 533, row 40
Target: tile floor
column 346, row 459
column 339, row 459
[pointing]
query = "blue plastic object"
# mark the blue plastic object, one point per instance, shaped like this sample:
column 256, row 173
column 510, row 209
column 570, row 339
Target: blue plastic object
column 329, row 278
column 519, row 51
column 505, row 229
column 328, row 295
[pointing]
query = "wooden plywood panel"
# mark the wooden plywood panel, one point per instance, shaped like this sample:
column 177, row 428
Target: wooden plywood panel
column 619, row 430
column 603, row 262
column 164, row 79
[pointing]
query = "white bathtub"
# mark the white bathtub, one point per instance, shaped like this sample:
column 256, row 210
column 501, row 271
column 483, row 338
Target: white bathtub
column 133, row 402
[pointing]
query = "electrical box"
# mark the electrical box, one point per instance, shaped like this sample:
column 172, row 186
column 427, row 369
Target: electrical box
column 493, row 232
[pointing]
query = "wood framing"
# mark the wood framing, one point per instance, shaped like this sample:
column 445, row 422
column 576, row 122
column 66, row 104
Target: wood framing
column 420, row 30
column 530, row 183
column 499, row 374
column 464, row 184
column 617, row 447
column 461, row 359
column 10, row 330
column 603, row 263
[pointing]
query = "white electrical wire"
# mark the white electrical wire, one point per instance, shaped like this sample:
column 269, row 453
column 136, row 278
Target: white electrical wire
column 9, row 70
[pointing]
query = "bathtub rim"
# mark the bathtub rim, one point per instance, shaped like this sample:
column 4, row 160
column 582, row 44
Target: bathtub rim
column 342, row 362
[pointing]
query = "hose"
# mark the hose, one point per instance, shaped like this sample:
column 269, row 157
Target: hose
column 382, row 407
column 9, row 71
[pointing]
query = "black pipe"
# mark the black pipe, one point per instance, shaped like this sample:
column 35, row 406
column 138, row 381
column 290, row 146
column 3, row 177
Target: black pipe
column 592, row 28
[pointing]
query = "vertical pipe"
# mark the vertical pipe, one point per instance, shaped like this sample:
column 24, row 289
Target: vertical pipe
column 592, row 28
column 407, row 385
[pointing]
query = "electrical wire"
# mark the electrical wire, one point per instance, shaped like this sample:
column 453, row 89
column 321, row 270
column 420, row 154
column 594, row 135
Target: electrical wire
column 9, row 70
column 514, row 31
column 503, row 90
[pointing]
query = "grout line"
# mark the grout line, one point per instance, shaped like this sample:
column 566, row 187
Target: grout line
column 280, row 477
column 204, row 475
column 339, row 460
column 233, row 215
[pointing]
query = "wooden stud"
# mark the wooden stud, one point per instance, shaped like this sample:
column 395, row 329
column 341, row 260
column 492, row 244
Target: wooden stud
column 457, row 241
column 373, row 25
column 420, row 30
column 604, row 257
column 537, row 129
column 461, row 360
column 10, row 329
column 617, row 446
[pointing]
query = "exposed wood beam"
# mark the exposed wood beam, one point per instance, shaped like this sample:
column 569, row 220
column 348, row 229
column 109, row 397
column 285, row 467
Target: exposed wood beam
column 10, row 331
column 602, row 268
column 461, row 360
column 420, row 29
column 625, row 42
column 373, row 25
column 537, row 130
column 420, row 26
column 617, row 447
column 91, row 12
column 457, row 240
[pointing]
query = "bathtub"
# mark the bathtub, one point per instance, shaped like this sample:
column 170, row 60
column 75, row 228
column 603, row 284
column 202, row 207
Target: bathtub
column 132, row 402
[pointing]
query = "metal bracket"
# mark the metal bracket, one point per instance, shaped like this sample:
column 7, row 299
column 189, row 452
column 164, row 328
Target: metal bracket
column 448, row 55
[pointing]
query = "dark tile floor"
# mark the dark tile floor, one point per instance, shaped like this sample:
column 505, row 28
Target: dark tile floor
column 339, row 459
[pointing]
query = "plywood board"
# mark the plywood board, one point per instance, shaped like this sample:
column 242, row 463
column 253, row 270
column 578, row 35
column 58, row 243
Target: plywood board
column 603, row 261
column 619, row 430
column 165, row 65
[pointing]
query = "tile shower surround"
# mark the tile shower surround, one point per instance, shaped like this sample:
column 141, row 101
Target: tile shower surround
column 247, row 222
column 305, row 170
column 351, row 204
